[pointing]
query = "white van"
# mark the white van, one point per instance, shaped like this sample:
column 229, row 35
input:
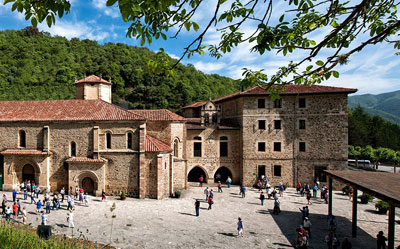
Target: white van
column 361, row 163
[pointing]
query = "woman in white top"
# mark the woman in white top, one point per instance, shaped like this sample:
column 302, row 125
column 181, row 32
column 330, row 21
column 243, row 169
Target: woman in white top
column 70, row 219
column 23, row 215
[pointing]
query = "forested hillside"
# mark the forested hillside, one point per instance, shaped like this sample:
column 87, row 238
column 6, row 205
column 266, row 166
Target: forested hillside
column 365, row 129
column 385, row 105
column 35, row 65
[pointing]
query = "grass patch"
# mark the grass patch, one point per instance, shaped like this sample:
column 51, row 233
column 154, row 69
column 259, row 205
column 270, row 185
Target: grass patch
column 24, row 236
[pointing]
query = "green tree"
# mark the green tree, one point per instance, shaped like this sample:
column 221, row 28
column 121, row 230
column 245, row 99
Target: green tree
column 355, row 152
column 350, row 26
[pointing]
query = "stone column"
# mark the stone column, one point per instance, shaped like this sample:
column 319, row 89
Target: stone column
column 142, row 165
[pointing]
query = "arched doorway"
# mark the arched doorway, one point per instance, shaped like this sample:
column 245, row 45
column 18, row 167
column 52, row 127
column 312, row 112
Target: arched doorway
column 28, row 173
column 195, row 174
column 88, row 185
column 222, row 174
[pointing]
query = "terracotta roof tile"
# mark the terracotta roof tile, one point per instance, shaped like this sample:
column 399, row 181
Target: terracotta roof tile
column 154, row 145
column 193, row 120
column 85, row 160
column 63, row 110
column 289, row 89
column 93, row 79
column 158, row 115
column 26, row 152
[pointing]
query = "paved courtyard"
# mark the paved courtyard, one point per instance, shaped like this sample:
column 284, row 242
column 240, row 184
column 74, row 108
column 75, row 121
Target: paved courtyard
column 170, row 223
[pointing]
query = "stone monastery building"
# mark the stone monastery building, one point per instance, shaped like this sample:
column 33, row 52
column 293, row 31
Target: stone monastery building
column 92, row 143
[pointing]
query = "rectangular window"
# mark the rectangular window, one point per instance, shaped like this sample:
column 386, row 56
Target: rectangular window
column 302, row 147
column 261, row 103
column 319, row 173
column 302, row 124
column 277, row 124
column 277, row 103
column 261, row 146
column 261, row 124
column 277, row 146
column 277, row 170
column 223, row 149
column 197, row 149
column 261, row 171
column 302, row 103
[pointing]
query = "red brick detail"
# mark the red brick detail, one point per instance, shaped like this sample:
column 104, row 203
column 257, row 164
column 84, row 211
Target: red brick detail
column 85, row 160
column 93, row 79
column 64, row 110
column 26, row 152
column 289, row 89
column 152, row 144
column 158, row 115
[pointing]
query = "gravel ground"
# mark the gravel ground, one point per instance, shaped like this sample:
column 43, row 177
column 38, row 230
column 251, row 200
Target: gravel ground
column 171, row 223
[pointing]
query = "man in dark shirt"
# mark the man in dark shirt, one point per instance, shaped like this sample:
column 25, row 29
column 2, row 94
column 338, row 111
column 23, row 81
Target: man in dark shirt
column 197, row 206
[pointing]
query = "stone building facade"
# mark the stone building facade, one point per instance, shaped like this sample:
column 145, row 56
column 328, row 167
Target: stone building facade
column 91, row 143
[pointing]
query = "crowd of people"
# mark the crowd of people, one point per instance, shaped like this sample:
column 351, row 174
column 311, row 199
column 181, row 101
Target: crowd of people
column 45, row 205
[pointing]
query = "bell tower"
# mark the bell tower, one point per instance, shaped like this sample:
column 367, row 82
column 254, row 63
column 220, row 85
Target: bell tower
column 93, row 87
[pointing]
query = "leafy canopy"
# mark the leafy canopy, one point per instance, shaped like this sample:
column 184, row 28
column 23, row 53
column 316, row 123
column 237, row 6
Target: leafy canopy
column 350, row 26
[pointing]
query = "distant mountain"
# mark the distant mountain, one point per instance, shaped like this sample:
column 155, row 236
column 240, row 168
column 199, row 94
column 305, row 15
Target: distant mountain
column 385, row 105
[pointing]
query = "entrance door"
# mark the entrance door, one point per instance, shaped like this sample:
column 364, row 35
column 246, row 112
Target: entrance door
column 28, row 173
column 88, row 185
column 261, row 171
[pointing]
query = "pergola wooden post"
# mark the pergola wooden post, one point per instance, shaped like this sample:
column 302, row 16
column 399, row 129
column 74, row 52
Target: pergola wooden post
column 354, row 216
column 330, row 196
column 391, row 227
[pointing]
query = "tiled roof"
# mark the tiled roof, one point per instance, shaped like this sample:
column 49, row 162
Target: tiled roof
column 93, row 79
column 289, row 90
column 64, row 110
column 85, row 160
column 158, row 115
column 193, row 120
column 26, row 152
column 154, row 145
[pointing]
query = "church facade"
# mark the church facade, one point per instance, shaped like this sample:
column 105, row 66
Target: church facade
column 91, row 143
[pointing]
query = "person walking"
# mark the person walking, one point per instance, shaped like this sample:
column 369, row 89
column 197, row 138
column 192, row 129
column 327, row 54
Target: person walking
column 8, row 213
column 70, row 219
column 197, row 207
column 262, row 197
column 25, row 193
column 307, row 226
column 308, row 197
column 212, row 194
column 210, row 202
column 38, row 206
column 3, row 206
column 33, row 198
column 243, row 191
column 206, row 192
column 86, row 199
column 62, row 192
column 44, row 218
column 103, row 195
column 380, row 240
column 315, row 190
column 69, row 202
column 19, row 207
column 219, row 187
column 229, row 181
column 24, row 217
column 201, row 180
column 240, row 227
column 47, row 207
column 14, row 196
column 15, row 210
column 277, row 208
column 281, row 189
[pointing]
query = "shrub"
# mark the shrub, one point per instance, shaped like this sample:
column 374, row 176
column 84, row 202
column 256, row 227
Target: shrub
column 382, row 207
column 346, row 189
column 177, row 193
column 123, row 196
column 365, row 198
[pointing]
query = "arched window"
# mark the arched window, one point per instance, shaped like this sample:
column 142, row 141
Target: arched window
column 108, row 140
column 176, row 143
column 129, row 140
column 223, row 146
column 73, row 149
column 22, row 138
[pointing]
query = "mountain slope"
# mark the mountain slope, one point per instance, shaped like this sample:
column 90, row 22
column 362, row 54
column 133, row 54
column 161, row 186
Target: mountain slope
column 386, row 105
column 35, row 65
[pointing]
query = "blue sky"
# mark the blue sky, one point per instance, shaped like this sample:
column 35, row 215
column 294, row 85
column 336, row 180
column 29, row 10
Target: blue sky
column 375, row 70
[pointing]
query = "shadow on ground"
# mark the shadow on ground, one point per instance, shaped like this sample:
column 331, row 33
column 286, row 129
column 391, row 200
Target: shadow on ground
column 289, row 220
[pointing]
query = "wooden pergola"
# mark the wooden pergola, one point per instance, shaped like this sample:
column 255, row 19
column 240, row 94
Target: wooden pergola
column 382, row 185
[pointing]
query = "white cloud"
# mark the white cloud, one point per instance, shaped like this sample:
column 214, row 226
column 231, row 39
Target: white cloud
column 75, row 29
column 209, row 67
column 108, row 11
